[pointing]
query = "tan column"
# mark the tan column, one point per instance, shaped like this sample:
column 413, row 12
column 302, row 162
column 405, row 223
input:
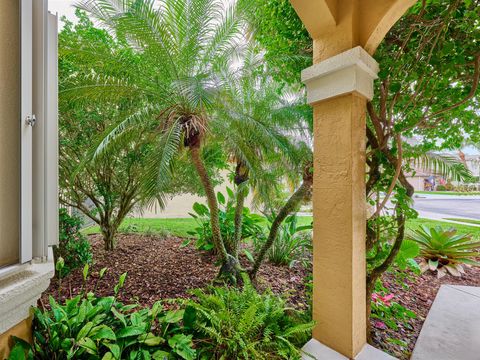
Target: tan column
column 339, row 224
column 338, row 89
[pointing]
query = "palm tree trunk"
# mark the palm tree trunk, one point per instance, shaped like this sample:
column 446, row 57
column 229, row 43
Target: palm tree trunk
column 212, row 202
column 292, row 204
column 241, row 177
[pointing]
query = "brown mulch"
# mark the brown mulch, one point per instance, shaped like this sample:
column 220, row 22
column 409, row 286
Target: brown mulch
column 160, row 268
column 418, row 295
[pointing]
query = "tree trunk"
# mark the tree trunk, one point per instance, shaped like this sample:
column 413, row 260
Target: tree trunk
column 292, row 204
column 238, row 222
column 230, row 267
column 241, row 177
column 108, row 234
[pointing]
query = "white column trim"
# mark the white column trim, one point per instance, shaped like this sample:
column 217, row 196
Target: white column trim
column 19, row 291
column 352, row 71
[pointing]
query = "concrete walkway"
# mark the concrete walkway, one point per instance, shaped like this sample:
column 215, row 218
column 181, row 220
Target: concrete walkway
column 452, row 328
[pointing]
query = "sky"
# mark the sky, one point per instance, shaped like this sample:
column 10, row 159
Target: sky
column 62, row 7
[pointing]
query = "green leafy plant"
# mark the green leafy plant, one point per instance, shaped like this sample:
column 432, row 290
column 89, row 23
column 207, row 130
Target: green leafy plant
column 388, row 313
column 251, row 224
column 74, row 248
column 292, row 243
column 90, row 327
column 445, row 250
column 230, row 323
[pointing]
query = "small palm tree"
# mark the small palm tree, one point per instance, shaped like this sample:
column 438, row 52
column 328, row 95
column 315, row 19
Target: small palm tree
column 184, row 45
column 254, row 122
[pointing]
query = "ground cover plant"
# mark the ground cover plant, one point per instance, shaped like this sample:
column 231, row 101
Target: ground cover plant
column 217, row 323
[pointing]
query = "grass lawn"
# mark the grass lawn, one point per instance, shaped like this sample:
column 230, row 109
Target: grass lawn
column 180, row 227
column 453, row 193
column 177, row 227
column 475, row 231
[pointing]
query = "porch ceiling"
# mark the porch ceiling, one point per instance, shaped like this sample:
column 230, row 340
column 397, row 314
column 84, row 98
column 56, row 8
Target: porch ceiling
column 371, row 19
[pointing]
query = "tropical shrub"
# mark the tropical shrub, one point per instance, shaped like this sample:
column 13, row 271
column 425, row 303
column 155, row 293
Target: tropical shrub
column 441, row 188
column 292, row 244
column 388, row 313
column 231, row 323
column 251, row 224
column 73, row 247
column 445, row 250
column 89, row 327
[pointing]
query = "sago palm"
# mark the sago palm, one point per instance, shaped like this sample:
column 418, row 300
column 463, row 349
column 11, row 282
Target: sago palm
column 184, row 46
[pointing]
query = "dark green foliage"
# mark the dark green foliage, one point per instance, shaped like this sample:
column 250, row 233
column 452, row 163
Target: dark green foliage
column 89, row 327
column 293, row 243
column 73, row 247
column 221, row 323
column 279, row 30
column 251, row 225
column 243, row 324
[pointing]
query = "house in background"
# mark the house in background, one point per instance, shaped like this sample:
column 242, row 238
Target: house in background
column 425, row 180
column 28, row 158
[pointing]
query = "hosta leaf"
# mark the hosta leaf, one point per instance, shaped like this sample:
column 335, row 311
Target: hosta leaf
column 150, row 339
column 88, row 344
column 160, row 355
column 129, row 331
column 182, row 346
column 84, row 331
column 108, row 356
column 103, row 332
column 173, row 316
column 115, row 349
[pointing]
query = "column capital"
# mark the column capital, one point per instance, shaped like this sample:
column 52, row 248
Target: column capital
column 352, row 71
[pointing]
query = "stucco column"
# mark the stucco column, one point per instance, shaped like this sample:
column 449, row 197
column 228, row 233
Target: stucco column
column 338, row 89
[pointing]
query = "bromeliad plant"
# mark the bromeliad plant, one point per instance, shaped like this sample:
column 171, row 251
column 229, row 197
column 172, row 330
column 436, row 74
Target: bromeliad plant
column 445, row 250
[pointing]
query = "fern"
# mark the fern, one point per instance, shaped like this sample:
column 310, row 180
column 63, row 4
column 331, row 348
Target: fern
column 244, row 324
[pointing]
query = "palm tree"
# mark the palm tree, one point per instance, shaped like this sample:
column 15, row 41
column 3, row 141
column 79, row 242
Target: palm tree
column 255, row 123
column 184, row 45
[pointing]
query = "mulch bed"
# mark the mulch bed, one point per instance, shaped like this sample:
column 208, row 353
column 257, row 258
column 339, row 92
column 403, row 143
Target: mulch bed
column 160, row 268
column 418, row 296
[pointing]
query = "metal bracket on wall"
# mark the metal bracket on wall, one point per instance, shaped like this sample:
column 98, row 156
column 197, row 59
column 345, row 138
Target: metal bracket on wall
column 31, row 120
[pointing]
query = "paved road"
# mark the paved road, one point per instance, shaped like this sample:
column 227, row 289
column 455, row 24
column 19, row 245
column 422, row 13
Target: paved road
column 456, row 207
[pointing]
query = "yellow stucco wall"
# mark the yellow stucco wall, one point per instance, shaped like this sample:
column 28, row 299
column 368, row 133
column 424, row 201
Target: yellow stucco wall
column 22, row 330
column 9, row 131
